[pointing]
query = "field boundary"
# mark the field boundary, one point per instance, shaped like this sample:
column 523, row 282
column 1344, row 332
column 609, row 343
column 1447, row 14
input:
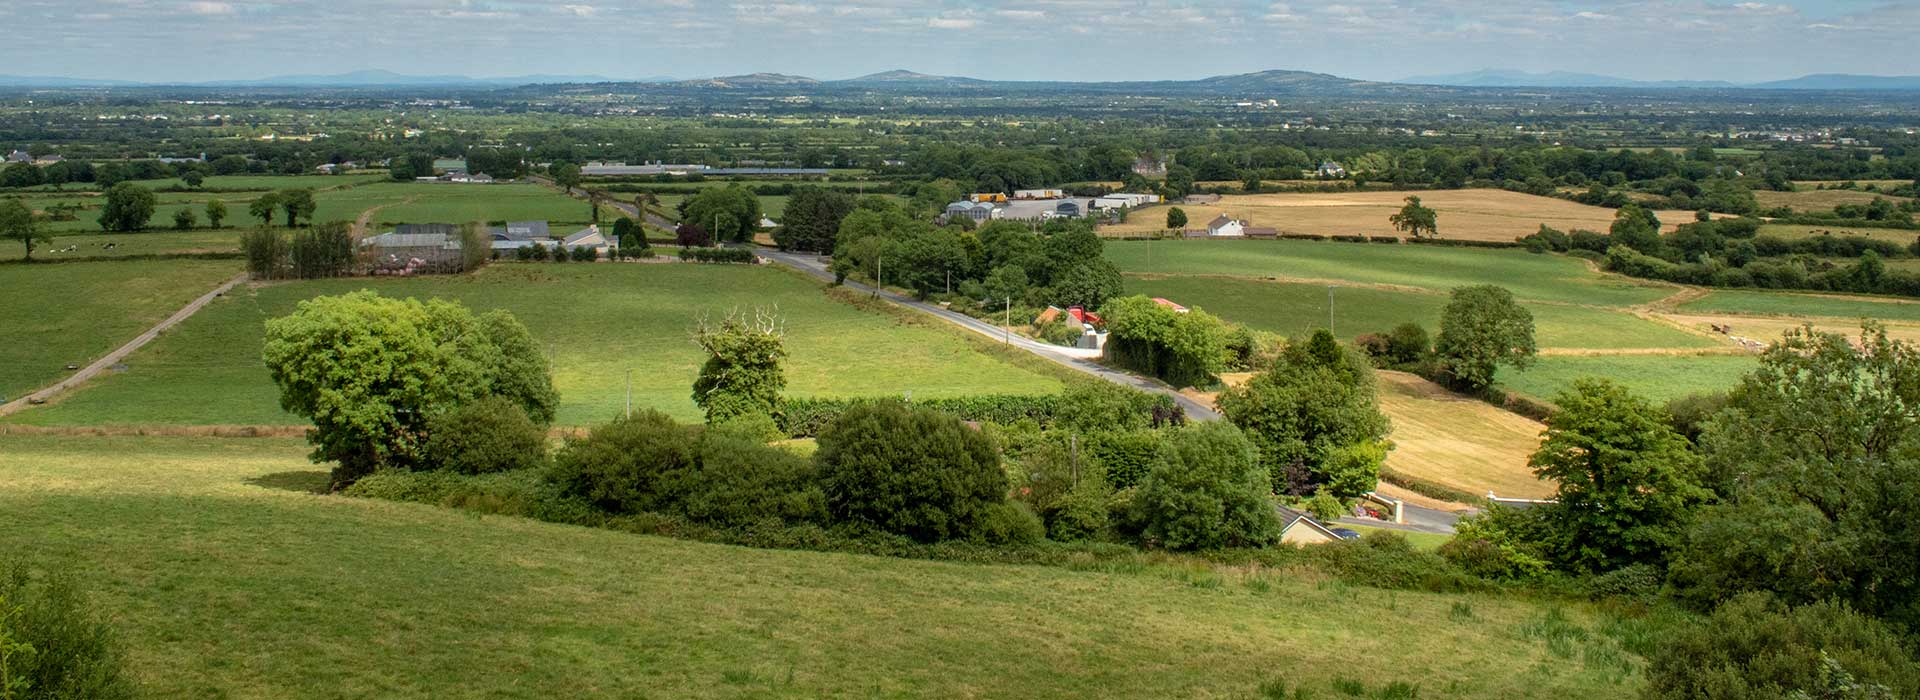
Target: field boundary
column 121, row 352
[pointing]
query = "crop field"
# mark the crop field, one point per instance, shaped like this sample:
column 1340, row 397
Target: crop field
column 1790, row 305
column 1531, row 277
column 1295, row 309
column 1809, row 199
column 1657, row 378
column 1458, row 442
column 1895, row 235
column 225, row 576
column 228, row 183
column 55, row 314
column 1474, row 215
column 596, row 321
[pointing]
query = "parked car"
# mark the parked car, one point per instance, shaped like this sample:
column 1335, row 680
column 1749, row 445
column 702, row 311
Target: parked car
column 1346, row 533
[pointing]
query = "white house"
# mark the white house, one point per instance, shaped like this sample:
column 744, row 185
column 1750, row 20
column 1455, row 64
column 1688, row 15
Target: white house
column 1331, row 169
column 1223, row 226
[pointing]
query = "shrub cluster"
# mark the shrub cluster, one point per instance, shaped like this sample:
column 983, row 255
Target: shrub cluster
column 53, row 646
column 806, row 417
column 719, row 255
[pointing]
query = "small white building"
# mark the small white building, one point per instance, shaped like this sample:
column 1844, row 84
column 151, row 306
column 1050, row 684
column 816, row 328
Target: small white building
column 1224, row 226
column 588, row 237
column 978, row 211
column 1331, row 169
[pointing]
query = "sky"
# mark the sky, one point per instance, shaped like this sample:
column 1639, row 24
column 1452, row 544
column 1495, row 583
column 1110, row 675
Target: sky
column 193, row 40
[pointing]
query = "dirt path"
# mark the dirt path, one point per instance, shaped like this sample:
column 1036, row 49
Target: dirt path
column 122, row 352
column 366, row 217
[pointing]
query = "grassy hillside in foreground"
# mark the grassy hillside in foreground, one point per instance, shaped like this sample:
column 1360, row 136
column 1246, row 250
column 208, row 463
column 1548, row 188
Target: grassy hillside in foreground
column 1530, row 276
column 224, row 579
column 55, row 314
column 595, row 321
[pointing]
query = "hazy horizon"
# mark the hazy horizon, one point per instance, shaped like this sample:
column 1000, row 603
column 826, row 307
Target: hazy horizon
column 1078, row 40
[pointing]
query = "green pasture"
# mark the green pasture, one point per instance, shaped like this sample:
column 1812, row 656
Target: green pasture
column 1658, row 378
column 1296, row 309
column 225, row 576
column 55, row 314
column 156, row 242
column 596, row 321
column 1801, row 305
column 1531, row 277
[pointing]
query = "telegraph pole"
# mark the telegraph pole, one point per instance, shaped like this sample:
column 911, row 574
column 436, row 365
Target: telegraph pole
column 1329, row 308
column 629, row 392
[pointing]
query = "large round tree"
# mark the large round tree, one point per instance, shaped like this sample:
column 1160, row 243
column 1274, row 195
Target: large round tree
column 371, row 372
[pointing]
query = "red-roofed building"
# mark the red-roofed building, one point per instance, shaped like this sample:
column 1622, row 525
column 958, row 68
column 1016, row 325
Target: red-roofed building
column 1085, row 317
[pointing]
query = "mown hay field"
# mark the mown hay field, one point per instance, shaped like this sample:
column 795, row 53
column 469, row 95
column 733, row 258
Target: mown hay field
column 1462, row 443
column 1472, row 215
column 1809, row 199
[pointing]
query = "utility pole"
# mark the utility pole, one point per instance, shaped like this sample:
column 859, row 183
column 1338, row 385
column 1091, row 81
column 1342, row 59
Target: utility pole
column 878, row 280
column 629, row 392
column 1329, row 308
column 1008, row 329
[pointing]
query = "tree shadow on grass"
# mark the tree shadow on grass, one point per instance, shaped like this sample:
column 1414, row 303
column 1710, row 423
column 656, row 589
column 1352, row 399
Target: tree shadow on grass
column 314, row 482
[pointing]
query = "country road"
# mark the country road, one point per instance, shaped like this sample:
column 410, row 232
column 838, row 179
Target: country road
column 652, row 219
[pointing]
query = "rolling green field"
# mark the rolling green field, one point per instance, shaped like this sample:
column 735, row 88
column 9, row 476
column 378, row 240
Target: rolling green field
column 1657, row 378
column 459, row 203
column 55, row 314
column 224, row 576
column 596, row 321
column 1531, row 277
column 1788, row 304
column 1295, row 309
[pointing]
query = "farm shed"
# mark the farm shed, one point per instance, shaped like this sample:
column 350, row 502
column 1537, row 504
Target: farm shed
column 407, row 253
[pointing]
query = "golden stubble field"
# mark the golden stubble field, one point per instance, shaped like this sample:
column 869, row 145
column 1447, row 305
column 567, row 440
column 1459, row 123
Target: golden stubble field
column 1810, row 200
column 1477, row 215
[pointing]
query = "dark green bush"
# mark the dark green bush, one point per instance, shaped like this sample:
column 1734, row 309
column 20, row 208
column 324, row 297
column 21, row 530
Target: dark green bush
column 1635, row 581
column 1010, row 523
column 718, row 255
column 492, row 434
column 741, row 481
column 53, row 646
column 1502, row 544
column 1385, row 559
column 909, row 470
column 629, row 465
column 1753, row 647
column 525, row 493
column 1207, row 491
column 1126, row 456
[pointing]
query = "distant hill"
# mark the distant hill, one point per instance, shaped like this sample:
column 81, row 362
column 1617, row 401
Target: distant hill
column 751, row 80
column 1553, row 79
column 1561, row 79
column 1844, row 81
column 897, row 77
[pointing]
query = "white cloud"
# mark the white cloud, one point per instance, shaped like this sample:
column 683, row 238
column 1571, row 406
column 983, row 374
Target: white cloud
column 210, row 8
column 580, row 10
column 953, row 23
